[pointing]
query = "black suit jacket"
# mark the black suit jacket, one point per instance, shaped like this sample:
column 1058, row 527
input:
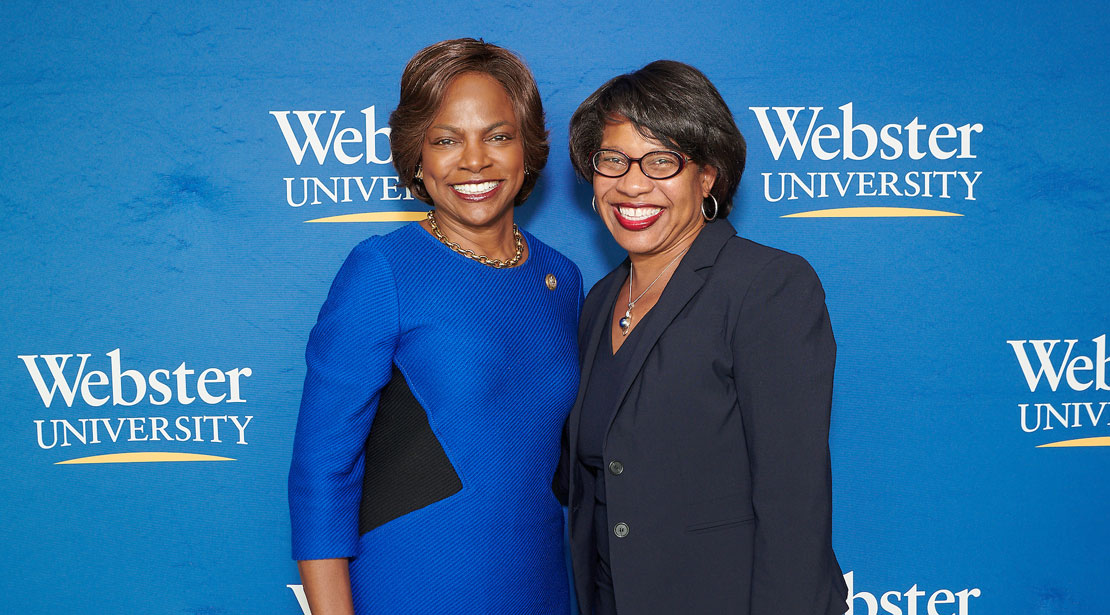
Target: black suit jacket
column 717, row 453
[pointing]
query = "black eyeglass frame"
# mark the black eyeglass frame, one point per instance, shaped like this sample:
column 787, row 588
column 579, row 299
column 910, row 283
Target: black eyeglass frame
column 682, row 160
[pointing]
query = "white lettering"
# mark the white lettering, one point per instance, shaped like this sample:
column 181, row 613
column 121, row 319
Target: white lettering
column 215, row 426
column 56, row 363
column 865, row 181
column 336, row 141
column 182, row 396
column 942, row 142
column 347, row 135
column 158, row 382
column 38, row 430
column 868, row 598
column 787, row 117
column 965, row 595
column 949, row 132
column 70, row 429
column 108, row 427
column 965, row 138
column 1100, row 363
column 1043, row 350
column 1068, row 368
column 117, row 382
column 364, row 190
column 302, row 599
column 907, row 603
column 1050, row 411
column 309, row 120
column 101, row 379
column 825, row 131
column 889, row 603
column 139, row 429
column 372, row 135
column 138, row 426
column 182, row 424
column 767, row 187
column 913, row 593
column 319, row 185
column 889, row 140
column 289, row 191
column 160, row 386
column 158, row 425
column 207, row 377
column 233, row 380
column 941, row 596
column 389, row 185
column 850, row 130
column 914, row 129
column 242, row 427
column 1025, row 423
column 970, row 184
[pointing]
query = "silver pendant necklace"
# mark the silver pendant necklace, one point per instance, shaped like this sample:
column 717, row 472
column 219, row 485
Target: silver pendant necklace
column 626, row 322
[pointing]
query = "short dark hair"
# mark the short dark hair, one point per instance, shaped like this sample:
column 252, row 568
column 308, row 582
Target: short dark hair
column 675, row 104
column 423, row 85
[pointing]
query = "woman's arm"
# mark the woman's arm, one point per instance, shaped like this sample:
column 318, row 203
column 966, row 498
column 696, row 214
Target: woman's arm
column 349, row 358
column 327, row 585
column 784, row 353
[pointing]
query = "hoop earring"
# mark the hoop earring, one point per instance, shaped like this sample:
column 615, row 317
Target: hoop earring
column 419, row 173
column 709, row 218
column 593, row 203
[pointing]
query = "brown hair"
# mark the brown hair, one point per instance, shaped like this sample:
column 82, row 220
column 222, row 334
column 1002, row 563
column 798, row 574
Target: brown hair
column 675, row 104
column 423, row 85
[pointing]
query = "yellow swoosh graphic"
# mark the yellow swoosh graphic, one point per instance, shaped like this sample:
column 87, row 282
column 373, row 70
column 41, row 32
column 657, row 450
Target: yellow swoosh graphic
column 144, row 458
column 376, row 216
column 871, row 212
column 1097, row 441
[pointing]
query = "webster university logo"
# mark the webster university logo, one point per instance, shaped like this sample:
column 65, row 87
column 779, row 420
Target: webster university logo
column 1069, row 393
column 340, row 147
column 87, row 400
column 851, row 167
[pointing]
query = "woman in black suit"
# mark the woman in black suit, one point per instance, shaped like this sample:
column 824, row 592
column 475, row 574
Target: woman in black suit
column 696, row 459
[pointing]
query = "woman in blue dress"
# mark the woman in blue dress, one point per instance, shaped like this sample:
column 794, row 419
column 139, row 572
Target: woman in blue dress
column 441, row 369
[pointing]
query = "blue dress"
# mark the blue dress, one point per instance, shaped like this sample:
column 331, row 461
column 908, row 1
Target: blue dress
column 445, row 506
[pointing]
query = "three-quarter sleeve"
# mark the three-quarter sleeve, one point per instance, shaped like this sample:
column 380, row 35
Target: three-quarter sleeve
column 349, row 358
column 784, row 354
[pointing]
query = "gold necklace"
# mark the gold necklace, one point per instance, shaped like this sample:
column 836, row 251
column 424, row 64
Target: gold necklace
column 481, row 258
column 626, row 322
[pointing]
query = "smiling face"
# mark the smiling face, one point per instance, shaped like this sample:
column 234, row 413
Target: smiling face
column 650, row 216
column 472, row 158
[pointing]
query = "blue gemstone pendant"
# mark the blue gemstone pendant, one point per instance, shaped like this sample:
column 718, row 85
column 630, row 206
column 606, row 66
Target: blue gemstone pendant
column 626, row 322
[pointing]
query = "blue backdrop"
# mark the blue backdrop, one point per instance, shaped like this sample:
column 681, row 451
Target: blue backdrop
column 942, row 165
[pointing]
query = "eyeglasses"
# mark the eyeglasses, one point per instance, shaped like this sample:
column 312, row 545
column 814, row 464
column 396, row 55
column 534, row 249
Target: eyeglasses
column 662, row 164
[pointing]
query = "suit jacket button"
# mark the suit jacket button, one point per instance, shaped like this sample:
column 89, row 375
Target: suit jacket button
column 616, row 467
column 620, row 530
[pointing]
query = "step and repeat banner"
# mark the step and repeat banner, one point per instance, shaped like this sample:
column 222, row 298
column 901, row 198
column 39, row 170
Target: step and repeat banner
column 180, row 182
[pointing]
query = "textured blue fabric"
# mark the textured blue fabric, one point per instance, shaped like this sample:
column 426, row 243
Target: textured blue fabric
column 491, row 355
